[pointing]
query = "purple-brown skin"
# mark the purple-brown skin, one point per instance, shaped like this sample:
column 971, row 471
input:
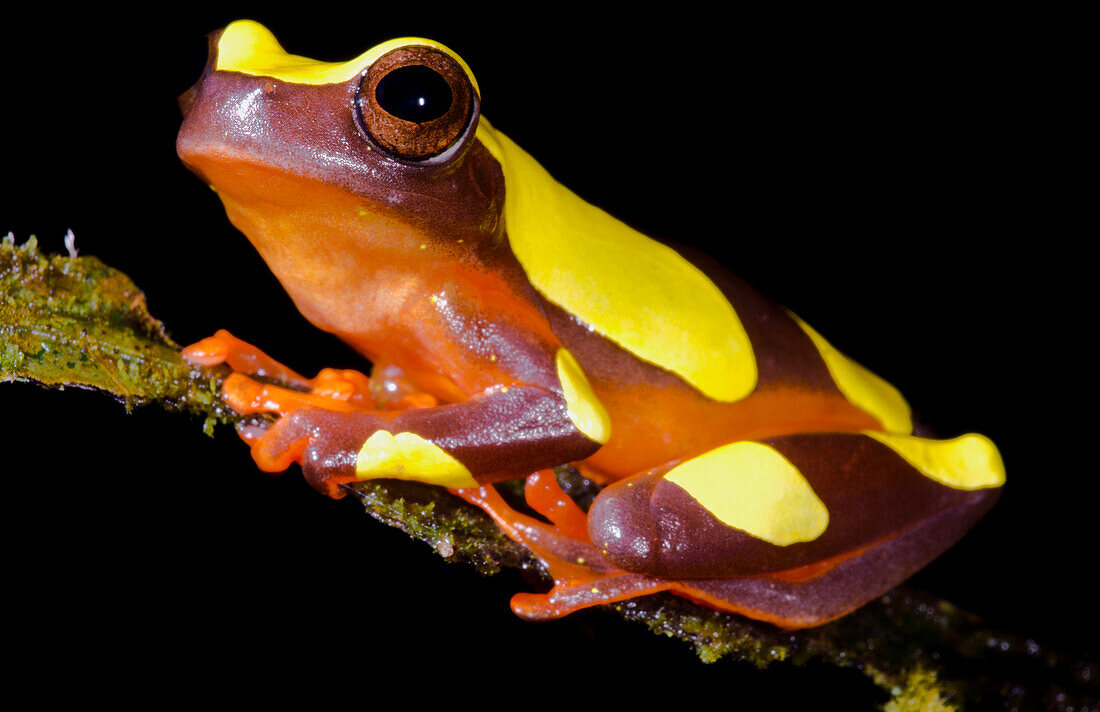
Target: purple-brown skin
column 408, row 261
column 655, row 527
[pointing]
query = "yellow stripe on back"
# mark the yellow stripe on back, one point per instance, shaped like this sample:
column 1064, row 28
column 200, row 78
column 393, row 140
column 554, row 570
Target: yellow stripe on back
column 968, row 462
column 631, row 289
column 863, row 388
column 248, row 47
column 752, row 487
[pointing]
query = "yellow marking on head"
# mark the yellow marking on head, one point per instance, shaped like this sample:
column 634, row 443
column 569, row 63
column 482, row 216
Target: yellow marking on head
column 407, row 456
column 635, row 291
column 968, row 462
column 863, row 388
column 585, row 409
column 752, row 487
column 248, row 47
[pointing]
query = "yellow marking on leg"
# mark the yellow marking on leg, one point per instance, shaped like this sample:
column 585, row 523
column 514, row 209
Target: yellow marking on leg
column 407, row 456
column 968, row 462
column 752, row 487
column 863, row 388
column 585, row 409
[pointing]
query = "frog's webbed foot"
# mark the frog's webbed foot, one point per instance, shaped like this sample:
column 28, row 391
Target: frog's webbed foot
column 582, row 576
column 242, row 357
column 322, row 421
column 336, row 389
column 321, row 432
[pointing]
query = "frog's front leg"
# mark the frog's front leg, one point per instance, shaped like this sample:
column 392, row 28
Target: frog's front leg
column 242, row 357
column 496, row 436
column 339, row 389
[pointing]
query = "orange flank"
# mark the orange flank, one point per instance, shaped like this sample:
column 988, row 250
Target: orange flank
column 682, row 424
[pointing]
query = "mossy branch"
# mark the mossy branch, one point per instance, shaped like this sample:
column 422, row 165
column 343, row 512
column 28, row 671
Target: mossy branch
column 74, row 321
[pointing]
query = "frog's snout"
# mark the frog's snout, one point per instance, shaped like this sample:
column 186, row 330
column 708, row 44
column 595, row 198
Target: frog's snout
column 187, row 99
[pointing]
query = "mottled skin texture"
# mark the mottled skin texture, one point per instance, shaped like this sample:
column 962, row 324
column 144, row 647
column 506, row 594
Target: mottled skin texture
column 409, row 262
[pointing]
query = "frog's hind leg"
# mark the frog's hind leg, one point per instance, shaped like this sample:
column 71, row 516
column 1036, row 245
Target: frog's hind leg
column 794, row 530
column 795, row 598
column 799, row 529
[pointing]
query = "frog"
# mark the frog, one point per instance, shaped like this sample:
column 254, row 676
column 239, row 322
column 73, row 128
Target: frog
column 744, row 462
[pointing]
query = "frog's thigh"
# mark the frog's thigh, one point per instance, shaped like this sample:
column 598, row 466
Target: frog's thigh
column 728, row 512
column 752, row 508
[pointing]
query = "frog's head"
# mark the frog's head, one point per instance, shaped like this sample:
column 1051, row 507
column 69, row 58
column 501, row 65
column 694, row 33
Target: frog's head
column 327, row 167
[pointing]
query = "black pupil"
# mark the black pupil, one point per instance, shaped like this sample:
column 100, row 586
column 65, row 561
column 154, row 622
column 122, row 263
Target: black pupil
column 415, row 93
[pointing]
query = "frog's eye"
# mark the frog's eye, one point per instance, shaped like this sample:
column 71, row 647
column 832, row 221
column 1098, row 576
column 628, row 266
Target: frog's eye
column 415, row 101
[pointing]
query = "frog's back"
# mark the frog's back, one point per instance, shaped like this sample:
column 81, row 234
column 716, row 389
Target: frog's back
column 683, row 354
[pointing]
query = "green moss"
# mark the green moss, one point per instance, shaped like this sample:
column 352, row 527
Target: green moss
column 920, row 692
column 74, row 321
column 11, row 356
column 456, row 530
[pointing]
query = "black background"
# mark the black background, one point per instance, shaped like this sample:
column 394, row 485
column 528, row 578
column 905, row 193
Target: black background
column 899, row 182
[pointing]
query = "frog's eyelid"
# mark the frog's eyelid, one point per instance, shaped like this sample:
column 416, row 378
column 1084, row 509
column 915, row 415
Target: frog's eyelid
column 248, row 47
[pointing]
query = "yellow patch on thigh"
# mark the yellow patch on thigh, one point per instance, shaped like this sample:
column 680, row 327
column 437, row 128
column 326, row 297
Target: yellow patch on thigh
column 752, row 487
